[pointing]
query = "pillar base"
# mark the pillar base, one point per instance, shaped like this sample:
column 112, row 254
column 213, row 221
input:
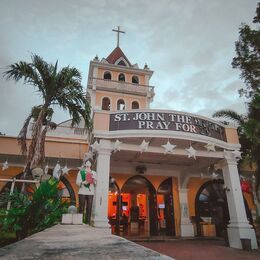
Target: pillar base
column 236, row 232
column 101, row 223
column 187, row 230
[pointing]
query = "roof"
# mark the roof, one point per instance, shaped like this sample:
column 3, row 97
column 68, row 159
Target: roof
column 116, row 54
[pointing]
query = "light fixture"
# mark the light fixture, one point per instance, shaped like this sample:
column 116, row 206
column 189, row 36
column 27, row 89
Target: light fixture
column 140, row 169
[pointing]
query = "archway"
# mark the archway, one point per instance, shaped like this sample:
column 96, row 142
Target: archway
column 107, row 75
column 165, row 208
column 135, row 105
column 106, row 103
column 211, row 208
column 120, row 104
column 139, row 205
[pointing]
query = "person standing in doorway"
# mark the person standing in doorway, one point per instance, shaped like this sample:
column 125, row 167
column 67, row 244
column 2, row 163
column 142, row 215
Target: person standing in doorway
column 86, row 180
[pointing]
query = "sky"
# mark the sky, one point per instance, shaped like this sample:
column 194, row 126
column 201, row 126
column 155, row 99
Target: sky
column 189, row 44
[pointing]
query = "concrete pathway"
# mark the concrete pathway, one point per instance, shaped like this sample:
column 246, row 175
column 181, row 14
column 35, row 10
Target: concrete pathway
column 69, row 242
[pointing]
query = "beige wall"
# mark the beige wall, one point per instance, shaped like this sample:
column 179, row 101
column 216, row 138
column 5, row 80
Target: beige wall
column 53, row 148
column 232, row 136
column 101, row 121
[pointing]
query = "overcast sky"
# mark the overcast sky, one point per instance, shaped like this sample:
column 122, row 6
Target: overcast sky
column 188, row 43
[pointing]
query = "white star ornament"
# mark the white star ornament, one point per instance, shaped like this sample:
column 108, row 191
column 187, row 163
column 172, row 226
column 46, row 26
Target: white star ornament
column 117, row 144
column 168, row 147
column 191, row 152
column 144, row 146
column 210, row 147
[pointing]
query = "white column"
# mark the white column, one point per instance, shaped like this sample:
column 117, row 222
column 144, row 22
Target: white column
column 187, row 229
column 239, row 226
column 102, row 187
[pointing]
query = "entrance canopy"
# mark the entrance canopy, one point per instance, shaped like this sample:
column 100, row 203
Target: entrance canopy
column 166, row 140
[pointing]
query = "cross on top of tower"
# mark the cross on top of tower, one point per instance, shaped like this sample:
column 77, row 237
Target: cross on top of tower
column 118, row 31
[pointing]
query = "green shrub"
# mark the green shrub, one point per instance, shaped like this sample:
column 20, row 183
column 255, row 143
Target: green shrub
column 30, row 214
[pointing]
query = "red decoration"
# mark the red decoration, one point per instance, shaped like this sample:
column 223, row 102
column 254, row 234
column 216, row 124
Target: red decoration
column 89, row 178
column 245, row 186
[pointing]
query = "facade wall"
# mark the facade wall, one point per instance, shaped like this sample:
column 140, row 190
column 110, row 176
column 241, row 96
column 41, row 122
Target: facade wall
column 232, row 136
column 193, row 186
column 54, row 147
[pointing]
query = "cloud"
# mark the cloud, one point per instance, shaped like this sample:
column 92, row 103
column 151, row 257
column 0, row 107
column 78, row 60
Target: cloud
column 189, row 45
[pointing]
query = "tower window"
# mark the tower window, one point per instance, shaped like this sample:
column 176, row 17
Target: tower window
column 121, row 77
column 135, row 80
column 107, row 75
column 120, row 104
column 105, row 103
column 135, row 105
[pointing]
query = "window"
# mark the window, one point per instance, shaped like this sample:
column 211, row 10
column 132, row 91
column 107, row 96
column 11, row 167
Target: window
column 107, row 75
column 135, row 105
column 121, row 77
column 120, row 104
column 105, row 103
column 135, row 80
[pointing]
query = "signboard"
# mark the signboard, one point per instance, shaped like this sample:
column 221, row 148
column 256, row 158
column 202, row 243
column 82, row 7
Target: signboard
column 166, row 121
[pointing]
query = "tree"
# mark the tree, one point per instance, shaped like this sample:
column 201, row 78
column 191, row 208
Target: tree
column 60, row 88
column 248, row 61
column 248, row 56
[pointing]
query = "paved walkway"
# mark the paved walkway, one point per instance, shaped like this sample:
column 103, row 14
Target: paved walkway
column 69, row 242
column 200, row 249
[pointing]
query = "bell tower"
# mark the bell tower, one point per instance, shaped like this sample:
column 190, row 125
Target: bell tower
column 116, row 84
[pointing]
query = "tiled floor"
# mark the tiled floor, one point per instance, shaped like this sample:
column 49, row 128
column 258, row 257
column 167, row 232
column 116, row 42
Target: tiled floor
column 201, row 249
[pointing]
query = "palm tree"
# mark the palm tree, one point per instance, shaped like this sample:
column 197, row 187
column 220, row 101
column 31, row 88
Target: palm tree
column 249, row 134
column 60, row 88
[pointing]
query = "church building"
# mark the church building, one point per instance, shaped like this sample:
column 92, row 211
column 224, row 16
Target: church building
column 159, row 172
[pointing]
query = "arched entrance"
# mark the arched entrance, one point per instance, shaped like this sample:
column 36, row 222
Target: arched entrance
column 139, row 206
column 165, row 208
column 211, row 209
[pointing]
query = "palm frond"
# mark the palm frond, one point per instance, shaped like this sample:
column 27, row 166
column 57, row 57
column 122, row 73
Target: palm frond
column 23, row 70
column 57, row 87
column 230, row 114
column 21, row 138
